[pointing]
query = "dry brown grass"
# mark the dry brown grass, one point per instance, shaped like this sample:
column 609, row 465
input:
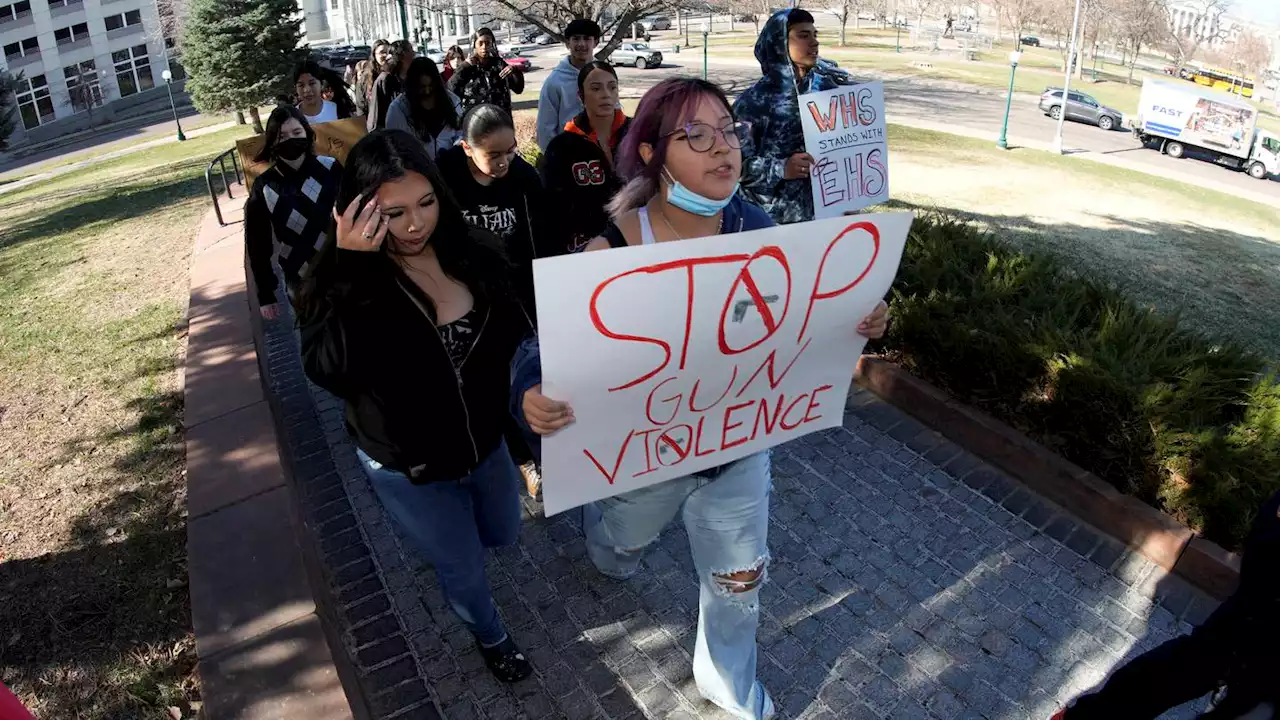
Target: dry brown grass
column 93, row 597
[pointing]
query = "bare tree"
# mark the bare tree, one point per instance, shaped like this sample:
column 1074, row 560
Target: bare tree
column 1186, row 38
column 550, row 16
column 842, row 13
column 1019, row 14
column 1249, row 51
column 920, row 8
column 1139, row 24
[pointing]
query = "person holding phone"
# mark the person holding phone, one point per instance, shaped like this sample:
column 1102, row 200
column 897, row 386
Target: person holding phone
column 409, row 317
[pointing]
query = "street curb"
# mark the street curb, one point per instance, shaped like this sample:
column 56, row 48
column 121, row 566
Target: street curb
column 1141, row 527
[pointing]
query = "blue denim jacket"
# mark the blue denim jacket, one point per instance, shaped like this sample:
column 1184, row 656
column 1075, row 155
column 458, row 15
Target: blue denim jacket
column 526, row 367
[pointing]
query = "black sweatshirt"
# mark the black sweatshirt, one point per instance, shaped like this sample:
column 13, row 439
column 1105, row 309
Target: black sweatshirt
column 385, row 89
column 513, row 208
column 293, row 208
column 580, row 180
column 371, row 339
column 477, row 82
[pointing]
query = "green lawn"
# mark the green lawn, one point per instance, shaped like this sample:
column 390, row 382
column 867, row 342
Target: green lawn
column 1212, row 257
column 93, row 594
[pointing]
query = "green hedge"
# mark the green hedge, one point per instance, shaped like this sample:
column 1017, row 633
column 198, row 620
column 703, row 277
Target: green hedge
column 1186, row 423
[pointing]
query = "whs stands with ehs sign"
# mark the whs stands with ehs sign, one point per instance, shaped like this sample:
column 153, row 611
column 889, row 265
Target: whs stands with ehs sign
column 844, row 131
column 680, row 356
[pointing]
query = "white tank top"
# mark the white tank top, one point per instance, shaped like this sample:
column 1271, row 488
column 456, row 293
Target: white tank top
column 646, row 230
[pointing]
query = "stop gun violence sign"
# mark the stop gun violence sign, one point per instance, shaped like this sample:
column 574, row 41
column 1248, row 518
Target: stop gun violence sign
column 682, row 356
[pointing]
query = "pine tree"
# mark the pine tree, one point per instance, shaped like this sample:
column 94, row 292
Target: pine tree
column 8, row 108
column 241, row 53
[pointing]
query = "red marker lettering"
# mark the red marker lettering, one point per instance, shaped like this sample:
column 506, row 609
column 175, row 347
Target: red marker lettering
column 787, row 412
column 675, row 407
column 770, row 362
column 815, row 296
column 814, row 404
column 617, row 464
column 725, row 444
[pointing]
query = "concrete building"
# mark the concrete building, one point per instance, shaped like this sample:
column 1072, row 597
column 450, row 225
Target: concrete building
column 82, row 62
column 1189, row 18
column 360, row 22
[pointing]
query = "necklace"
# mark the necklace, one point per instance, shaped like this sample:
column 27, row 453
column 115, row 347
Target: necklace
column 663, row 215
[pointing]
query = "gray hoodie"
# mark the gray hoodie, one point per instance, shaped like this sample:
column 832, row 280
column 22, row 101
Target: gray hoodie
column 558, row 103
column 399, row 118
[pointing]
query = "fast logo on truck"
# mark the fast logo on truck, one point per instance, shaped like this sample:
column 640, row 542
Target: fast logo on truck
column 1171, row 112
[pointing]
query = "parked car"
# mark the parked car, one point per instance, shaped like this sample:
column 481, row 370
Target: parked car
column 1080, row 108
column 1031, row 41
column 518, row 62
column 436, row 56
column 638, row 54
column 544, row 39
column 657, row 22
column 639, row 33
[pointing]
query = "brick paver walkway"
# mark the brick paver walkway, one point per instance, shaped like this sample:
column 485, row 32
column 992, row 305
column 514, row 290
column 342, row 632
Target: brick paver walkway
column 908, row 580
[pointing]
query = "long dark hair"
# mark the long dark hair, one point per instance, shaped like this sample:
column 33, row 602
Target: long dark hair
column 373, row 56
column 400, row 49
column 278, row 117
column 330, row 79
column 482, row 120
column 662, row 109
column 591, row 67
column 470, row 255
column 444, row 112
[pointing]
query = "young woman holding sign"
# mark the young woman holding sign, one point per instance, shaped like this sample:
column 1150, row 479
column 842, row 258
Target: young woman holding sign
column 683, row 152
column 409, row 316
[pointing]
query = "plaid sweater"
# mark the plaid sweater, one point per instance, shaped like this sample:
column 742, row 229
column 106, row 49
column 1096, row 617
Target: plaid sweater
column 287, row 218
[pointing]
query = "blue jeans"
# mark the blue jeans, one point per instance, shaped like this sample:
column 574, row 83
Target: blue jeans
column 727, row 519
column 452, row 523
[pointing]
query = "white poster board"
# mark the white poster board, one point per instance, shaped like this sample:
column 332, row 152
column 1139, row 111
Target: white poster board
column 681, row 356
column 844, row 131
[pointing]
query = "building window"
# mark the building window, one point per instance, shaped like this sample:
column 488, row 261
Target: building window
column 83, row 86
column 18, row 50
column 333, row 4
column 9, row 13
column 74, row 33
column 53, row 4
column 133, row 70
column 34, row 103
column 129, row 19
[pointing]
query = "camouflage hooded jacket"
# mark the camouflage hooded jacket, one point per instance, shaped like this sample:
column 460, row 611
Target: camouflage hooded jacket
column 772, row 107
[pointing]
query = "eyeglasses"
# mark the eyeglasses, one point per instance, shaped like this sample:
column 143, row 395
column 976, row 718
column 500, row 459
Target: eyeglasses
column 702, row 137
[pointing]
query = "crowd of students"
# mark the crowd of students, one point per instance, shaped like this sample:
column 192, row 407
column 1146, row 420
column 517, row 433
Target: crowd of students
column 410, row 273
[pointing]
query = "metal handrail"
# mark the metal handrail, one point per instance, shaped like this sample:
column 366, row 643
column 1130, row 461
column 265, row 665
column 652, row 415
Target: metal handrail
column 221, row 162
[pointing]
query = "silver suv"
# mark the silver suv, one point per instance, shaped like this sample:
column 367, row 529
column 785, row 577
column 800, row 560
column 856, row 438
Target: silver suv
column 1080, row 108
column 638, row 54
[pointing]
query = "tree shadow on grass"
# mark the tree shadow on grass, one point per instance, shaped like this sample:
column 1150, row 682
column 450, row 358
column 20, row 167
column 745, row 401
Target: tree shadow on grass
column 1220, row 283
column 105, row 205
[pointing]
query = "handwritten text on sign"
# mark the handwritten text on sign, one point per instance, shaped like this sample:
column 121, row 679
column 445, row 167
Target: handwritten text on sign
column 682, row 356
column 844, row 131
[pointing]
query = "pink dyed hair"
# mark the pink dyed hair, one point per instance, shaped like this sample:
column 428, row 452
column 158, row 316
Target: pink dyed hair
column 668, row 105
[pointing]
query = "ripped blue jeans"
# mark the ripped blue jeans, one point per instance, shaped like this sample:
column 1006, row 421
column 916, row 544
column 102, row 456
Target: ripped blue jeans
column 727, row 519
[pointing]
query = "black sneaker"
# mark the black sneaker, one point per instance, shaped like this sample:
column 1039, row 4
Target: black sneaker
column 506, row 662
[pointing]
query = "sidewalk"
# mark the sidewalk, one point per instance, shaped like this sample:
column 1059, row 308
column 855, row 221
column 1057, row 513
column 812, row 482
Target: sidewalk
column 895, row 590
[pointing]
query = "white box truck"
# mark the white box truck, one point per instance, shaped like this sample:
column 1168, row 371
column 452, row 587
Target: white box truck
column 1177, row 116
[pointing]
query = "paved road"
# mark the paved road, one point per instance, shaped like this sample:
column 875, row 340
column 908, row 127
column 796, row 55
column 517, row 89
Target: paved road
column 957, row 108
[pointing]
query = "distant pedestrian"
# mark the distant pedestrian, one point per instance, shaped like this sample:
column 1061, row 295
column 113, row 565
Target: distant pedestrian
column 485, row 78
column 579, row 166
column 289, row 207
column 362, row 86
column 426, row 109
column 453, row 59
column 408, row 317
column 390, row 83
column 775, row 173
column 1237, row 648
column 308, row 87
column 559, row 101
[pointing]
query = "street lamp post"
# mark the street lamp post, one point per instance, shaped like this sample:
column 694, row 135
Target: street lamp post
column 1066, row 84
column 898, row 26
column 168, row 84
column 1003, row 142
column 706, row 30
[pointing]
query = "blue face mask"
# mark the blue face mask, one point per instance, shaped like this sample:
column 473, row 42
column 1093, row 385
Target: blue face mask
column 690, row 201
